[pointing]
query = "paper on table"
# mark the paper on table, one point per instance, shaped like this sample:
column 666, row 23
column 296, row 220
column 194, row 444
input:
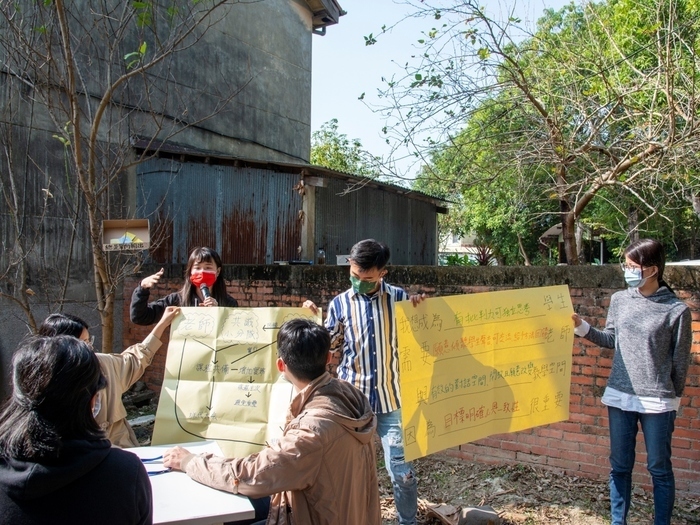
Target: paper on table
column 177, row 499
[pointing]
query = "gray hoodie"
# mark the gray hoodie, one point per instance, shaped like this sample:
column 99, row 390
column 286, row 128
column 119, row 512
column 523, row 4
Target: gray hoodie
column 651, row 337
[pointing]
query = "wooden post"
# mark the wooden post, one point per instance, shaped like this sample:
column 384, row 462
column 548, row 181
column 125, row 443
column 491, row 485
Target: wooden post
column 308, row 225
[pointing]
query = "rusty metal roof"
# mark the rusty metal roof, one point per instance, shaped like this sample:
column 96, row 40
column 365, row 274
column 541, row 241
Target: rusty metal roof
column 187, row 153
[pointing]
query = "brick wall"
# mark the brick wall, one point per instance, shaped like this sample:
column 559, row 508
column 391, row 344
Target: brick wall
column 578, row 446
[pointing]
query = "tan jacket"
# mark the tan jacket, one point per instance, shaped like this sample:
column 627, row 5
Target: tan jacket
column 323, row 469
column 122, row 371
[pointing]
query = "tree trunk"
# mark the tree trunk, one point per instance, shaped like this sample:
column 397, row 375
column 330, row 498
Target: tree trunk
column 107, row 318
column 633, row 224
column 568, row 230
column 567, row 218
column 578, row 228
column 523, row 252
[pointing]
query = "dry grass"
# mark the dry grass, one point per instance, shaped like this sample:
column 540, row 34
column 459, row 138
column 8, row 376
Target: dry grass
column 523, row 494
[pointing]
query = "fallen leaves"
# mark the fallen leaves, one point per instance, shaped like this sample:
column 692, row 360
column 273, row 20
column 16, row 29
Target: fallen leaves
column 521, row 494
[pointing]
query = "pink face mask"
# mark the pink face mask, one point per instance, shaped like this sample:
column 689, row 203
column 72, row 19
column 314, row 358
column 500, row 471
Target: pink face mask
column 206, row 277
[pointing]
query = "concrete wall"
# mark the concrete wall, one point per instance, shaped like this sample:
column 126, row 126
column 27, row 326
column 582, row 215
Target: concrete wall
column 14, row 327
column 255, row 55
column 259, row 52
column 578, row 446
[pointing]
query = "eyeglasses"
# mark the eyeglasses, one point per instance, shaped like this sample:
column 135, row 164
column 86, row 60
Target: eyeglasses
column 90, row 342
column 626, row 267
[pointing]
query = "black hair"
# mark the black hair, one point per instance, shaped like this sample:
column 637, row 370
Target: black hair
column 303, row 345
column 648, row 252
column 369, row 254
column 54, row 380
column 188, row 292
column 62, row 324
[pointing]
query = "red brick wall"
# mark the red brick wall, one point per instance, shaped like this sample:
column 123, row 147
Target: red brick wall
column 578, row 446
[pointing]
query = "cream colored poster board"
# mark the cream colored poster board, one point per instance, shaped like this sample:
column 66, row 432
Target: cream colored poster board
column 482, row 364
column 221, row 382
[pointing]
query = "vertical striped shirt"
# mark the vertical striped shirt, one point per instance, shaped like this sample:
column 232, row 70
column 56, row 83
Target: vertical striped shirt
column 370, row 358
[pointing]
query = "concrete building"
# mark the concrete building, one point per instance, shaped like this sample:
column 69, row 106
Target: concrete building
column 236, row 80
column 211, row 143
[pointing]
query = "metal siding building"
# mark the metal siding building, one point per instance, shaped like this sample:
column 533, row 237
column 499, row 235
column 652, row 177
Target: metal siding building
column 255, row 212
column 407, row 225
column 248, row 215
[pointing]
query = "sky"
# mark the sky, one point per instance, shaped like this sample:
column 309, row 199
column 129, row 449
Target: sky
column 344, row 67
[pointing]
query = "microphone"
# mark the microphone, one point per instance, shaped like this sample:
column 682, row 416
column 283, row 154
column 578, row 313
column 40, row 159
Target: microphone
column 205, row 291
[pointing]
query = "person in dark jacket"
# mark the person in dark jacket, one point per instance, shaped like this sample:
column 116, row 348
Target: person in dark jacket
column 56, row 466
column 203, row 269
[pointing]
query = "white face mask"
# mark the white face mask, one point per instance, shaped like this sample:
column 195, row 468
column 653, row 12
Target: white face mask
column 97, row 406
column 633, row 277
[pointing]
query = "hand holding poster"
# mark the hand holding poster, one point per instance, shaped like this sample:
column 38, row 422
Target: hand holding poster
column 482, row 364
column 221, row 381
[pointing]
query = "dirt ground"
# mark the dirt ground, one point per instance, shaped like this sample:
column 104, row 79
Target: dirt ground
column 521, row 494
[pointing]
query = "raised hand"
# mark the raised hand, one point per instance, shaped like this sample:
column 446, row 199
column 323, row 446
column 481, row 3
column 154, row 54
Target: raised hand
column 152, row 280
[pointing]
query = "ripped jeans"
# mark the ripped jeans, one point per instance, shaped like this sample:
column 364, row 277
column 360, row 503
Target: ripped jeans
column 402, row 476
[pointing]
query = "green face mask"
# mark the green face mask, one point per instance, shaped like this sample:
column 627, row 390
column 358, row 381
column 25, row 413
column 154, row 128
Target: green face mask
column 359, row 286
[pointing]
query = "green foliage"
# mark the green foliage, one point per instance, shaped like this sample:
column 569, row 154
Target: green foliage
column 490, row 197
column 144, row 13
column 455, row 259
column 134, row 59
column 593, row 117
column 332, row 149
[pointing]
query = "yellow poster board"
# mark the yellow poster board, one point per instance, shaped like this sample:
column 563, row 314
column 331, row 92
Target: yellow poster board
column 221, row 381
column 482, row 364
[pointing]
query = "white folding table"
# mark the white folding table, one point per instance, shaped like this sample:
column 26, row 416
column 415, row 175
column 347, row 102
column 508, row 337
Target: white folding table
column 177, row 499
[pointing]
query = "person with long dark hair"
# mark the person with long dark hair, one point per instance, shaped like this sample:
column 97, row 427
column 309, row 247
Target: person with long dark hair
column 650, row 330
column 56, row 466
column 121, row 370
column 203, row 268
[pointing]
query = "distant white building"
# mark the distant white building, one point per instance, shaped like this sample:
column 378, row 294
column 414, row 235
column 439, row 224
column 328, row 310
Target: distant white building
column 456, row 244
column 453, row 244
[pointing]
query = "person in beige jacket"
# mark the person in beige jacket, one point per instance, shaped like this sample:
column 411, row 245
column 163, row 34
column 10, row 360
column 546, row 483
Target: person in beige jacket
column 121, row 370
column 323, row 470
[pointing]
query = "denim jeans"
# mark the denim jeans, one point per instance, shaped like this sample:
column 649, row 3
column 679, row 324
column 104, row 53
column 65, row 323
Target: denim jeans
column 657, row 430
column 402, row 476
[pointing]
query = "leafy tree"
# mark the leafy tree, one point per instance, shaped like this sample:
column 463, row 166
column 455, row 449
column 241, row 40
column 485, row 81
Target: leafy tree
column 598, row 101
column 332, row 149
column 504, row 204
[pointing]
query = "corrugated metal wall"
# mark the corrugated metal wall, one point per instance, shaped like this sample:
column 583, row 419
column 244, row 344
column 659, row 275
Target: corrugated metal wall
column 248, row 215
column 251, row 215
column 408, row 226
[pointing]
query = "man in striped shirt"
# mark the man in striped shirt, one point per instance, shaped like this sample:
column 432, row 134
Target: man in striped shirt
column 370, row 360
